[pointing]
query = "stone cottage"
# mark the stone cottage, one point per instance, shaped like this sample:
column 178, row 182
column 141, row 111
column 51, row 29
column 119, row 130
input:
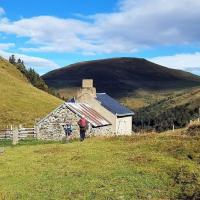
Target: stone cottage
column 105, row 115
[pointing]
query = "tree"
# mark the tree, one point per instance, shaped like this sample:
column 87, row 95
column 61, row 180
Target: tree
column 36, row 80
column 12, row 59
column 160, row 119
column 21, row 67
column 32, row 76
column 19, row 61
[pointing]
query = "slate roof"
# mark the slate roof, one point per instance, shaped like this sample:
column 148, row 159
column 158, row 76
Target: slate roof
column 113, row 106
column 91, row 115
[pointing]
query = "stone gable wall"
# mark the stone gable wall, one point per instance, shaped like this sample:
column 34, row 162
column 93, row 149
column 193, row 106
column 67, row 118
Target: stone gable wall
column 51, row 127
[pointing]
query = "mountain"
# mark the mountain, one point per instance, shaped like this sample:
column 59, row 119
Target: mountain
column 120, row 77
column 20, row 102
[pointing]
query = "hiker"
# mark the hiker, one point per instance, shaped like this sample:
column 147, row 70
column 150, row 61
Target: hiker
column 83, row 124
column 68, row 131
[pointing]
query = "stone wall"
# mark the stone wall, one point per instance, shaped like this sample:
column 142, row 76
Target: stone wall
column 51, row 127
column 101, row 131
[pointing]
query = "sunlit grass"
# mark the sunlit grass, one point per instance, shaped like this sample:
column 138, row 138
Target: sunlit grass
column 138, row 167
column 20, row 103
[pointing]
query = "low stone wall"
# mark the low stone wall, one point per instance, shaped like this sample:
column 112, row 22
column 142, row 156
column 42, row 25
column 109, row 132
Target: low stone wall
column 101, row 131
column 51, row 127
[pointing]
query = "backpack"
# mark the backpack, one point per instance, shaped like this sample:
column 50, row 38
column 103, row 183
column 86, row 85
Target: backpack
column 82, row 123
column 68, row 127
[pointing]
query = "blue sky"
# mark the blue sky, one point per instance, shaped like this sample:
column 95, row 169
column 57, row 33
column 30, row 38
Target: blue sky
column 48, row 34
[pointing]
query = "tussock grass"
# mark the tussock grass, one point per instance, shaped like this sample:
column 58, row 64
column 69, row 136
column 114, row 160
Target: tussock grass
column 138, row 167
column 193, row 129
column 21, row 103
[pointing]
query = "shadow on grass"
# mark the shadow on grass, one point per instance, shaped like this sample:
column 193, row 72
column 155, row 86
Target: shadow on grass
column 6, row 143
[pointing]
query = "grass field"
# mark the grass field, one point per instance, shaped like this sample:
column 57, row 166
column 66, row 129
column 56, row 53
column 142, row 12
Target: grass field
column 163, row 166
column 20, row 102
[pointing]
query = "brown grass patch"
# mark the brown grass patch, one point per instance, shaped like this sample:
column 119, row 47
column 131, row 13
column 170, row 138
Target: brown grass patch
column 53, row 150
column 140, row 159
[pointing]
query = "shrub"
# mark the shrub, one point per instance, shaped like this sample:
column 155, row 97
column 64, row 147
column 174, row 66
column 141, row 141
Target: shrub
column 193, row 129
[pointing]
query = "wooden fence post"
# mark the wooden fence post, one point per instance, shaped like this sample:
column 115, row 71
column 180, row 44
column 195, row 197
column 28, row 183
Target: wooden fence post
column 20, row 126
column 37, row 132
column 15, row 138
column 173, row 127
column 199, row 115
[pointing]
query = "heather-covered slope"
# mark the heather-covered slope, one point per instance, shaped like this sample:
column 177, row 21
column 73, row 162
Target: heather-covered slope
column 120, row 77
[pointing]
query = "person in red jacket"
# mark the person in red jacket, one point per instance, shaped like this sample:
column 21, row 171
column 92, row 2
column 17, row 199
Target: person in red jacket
column 83, row 124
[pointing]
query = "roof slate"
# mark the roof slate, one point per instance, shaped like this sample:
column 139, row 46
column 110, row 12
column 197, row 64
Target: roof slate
column 113, row 106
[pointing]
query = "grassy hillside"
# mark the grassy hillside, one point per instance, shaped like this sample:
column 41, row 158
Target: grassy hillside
column 163, row 166
column 177, row 109
column 120, row 77
column 188, row 98
column 143, row 98
column 21, row 103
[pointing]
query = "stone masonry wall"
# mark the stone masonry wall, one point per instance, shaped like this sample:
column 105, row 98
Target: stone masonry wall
column 101, row 131
column 51, row 127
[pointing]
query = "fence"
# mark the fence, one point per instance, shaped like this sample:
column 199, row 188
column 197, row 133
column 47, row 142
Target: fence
column 21, row 133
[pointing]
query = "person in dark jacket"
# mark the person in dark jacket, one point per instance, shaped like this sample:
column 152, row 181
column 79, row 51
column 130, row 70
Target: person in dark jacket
column 83, row 124
column 68, row 130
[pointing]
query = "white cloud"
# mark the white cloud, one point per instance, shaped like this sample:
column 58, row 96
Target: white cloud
column 188, row 62
column 51, row 33
column 2, row 11
column 5, row 46
column 39, row 64
column 136, row 25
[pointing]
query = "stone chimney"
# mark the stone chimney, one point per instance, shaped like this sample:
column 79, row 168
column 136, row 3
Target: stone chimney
column 87, row 91
column 87, row 83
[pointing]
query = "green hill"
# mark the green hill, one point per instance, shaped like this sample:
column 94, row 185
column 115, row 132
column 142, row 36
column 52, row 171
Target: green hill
column 177, row 110
column 189, row 98
column 20, row 102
